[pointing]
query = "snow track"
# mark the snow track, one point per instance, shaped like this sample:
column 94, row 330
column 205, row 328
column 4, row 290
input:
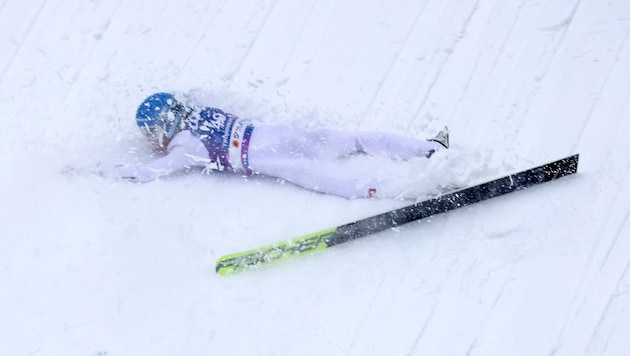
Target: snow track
column 92, row 267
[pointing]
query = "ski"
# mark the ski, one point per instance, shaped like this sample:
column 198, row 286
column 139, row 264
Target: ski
column 321, row 240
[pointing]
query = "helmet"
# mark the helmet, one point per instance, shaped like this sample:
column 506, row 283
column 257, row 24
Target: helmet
column 161, row 115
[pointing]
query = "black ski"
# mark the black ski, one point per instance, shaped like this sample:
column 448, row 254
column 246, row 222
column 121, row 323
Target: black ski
column 321, row 240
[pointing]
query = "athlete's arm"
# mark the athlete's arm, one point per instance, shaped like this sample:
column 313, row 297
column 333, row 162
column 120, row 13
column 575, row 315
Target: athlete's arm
column 184, row 151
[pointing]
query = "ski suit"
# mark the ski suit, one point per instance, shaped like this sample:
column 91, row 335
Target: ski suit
column 220, row 141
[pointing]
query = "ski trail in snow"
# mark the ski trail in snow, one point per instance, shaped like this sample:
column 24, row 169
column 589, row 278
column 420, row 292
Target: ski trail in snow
column 252, row 42
column 602, row 256
column 302, row 30
column 395, row 61
column 598, row 92
column 367, row 313
column 89, row 57
column 421, row 105
column 513, row 120
column 612, row 317
column 623, row 224
column 414, row 345
column 203, row 38
column 488, row 314
column 29, row 32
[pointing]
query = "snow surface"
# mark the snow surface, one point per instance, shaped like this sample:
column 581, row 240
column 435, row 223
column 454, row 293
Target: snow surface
column 90, row 266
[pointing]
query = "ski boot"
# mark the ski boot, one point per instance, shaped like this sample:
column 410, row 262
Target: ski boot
column 441, row 137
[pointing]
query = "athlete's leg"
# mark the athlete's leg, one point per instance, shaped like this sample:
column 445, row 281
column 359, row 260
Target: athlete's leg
column 287, row 142
column 325, row 144
column 395, row 146
column 324, row 177
column 309, row 159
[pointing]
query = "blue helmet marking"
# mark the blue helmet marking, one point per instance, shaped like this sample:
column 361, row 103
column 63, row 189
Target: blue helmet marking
column 160, row 113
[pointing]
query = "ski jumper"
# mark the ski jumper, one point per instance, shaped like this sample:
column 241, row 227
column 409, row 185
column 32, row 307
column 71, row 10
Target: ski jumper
column 220, row 141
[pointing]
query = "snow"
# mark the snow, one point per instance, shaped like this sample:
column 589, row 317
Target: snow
column 91, row 266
